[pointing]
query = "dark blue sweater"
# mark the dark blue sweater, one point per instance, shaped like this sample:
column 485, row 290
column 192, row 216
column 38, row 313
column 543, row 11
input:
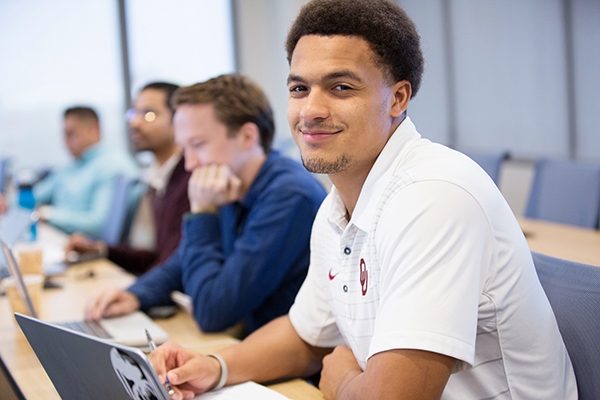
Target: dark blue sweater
column 247, row 262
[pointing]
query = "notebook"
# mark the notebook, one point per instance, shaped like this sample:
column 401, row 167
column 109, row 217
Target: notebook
column 127, row 330
column 84, row 367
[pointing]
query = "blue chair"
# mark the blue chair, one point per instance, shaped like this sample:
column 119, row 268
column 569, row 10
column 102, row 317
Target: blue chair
column 573, row 290
column 126, row 196
column 490, row 162
column 4, row 167
column 565, row 191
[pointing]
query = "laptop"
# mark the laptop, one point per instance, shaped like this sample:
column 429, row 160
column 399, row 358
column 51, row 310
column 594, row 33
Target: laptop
column 127, row 330
column 84, row 367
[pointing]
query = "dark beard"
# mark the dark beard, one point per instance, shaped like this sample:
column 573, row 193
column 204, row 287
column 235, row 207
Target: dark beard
column 320, row 166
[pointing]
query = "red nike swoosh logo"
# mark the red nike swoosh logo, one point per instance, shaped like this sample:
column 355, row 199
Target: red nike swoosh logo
column 331, row 276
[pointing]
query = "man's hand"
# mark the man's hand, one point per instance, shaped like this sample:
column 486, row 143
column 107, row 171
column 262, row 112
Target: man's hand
column 339, row 367
column 111, row 302
column 44, row 212
column 189, row 372
column 79, row 243
column 212, row 186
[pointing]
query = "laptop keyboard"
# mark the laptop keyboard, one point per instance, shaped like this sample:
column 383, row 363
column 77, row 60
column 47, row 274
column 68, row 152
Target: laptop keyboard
column 89, row 327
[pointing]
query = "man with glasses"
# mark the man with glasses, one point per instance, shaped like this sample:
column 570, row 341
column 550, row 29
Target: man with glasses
column 151, row 129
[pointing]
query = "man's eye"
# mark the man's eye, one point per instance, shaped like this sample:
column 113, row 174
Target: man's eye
column 342, row 87
column 297, row 89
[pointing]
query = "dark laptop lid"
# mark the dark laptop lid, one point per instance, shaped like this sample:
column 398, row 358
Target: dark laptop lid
column 84, row 367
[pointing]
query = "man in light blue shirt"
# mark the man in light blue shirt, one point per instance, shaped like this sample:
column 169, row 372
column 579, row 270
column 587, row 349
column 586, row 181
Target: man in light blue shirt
column 77, row 197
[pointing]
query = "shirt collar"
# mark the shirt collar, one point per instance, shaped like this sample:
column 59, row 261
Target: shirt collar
column 376, row 181
column 91, row 152
column 158, row 175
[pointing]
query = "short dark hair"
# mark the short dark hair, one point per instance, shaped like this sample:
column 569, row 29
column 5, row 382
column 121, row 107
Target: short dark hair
column 82, row 112
column 392, row 35
column 167, row 88
column 237, row 100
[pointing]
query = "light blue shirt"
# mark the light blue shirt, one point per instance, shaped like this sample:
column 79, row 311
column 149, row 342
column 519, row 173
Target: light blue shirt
column 80, row 193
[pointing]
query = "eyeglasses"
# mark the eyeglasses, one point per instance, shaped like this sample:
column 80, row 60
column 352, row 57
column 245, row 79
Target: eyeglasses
column 148, row 115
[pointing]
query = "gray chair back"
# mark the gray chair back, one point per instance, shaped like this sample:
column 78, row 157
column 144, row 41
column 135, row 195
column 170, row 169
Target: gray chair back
column 565, row 191
column 573, row 290
column 4, row 167
column 126, row 195
column 490, row 162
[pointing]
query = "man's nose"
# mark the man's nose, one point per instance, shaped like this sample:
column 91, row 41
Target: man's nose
column 191, row 160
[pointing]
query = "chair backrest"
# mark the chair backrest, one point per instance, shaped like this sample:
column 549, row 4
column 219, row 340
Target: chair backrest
column 126, row 195
column 573, row 290
column 4, row 167
column 565, row 191
column 490, row 162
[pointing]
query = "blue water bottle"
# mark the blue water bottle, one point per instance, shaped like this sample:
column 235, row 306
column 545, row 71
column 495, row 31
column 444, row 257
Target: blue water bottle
column 26, row 200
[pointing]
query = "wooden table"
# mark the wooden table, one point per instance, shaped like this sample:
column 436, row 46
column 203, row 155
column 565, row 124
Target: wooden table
column 563, row 241
column 68, row 302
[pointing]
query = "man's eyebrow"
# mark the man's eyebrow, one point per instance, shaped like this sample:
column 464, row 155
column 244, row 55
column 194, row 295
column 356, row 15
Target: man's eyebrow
column 295, row 78
column 345, row 73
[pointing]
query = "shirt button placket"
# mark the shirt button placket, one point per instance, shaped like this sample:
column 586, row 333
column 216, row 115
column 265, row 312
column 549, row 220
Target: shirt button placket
column 347, row 251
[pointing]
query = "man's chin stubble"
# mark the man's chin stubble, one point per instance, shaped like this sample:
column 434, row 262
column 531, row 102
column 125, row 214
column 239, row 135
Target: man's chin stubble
column 320, row 166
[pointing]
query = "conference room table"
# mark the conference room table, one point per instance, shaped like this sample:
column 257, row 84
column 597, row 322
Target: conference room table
column 67, row 303
column 562, row 241
column 558, row 240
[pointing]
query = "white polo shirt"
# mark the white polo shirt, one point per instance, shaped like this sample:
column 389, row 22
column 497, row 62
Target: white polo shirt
column 433, row 259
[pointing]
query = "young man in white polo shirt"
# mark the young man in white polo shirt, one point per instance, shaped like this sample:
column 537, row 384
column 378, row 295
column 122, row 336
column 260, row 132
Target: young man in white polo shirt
column 421, row 284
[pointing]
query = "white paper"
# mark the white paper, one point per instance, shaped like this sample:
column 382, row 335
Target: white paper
column 243, row 391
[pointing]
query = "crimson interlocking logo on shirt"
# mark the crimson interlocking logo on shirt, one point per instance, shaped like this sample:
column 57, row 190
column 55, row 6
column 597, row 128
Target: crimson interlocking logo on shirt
column 364, row 276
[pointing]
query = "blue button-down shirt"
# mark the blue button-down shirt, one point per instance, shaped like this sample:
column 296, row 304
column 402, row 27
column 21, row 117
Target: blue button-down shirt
column 80, row 193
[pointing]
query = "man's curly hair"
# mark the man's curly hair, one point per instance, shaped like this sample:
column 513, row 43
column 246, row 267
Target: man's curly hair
column 383, row 24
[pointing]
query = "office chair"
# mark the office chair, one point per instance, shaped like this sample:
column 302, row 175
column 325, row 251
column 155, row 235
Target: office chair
column 490, row 162
column 565, row 191
column 126, row 196
column 573, row 290
column 4, row 166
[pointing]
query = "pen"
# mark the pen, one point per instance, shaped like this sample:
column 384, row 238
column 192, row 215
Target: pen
column 152, row 346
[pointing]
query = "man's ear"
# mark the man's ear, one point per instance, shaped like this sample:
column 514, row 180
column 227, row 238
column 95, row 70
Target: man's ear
column 401, row 92
column 249, row 135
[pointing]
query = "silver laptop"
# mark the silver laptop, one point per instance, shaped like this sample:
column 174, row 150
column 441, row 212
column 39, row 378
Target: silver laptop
column 127, row 330
column 84, row 367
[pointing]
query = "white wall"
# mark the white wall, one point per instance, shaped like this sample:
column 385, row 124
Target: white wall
column 506, row 87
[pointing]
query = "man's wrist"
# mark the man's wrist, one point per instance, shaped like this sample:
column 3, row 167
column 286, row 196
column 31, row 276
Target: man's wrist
column 206, row 209
column 223, row 367
column 102, row 249
column 45, row 212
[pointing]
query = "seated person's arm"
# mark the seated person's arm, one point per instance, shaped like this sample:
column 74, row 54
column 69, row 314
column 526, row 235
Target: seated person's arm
column 273, row 352
column 272, row 247
column 151, row 289
column 393, row 374
column 276, row 351
column 89, row 221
